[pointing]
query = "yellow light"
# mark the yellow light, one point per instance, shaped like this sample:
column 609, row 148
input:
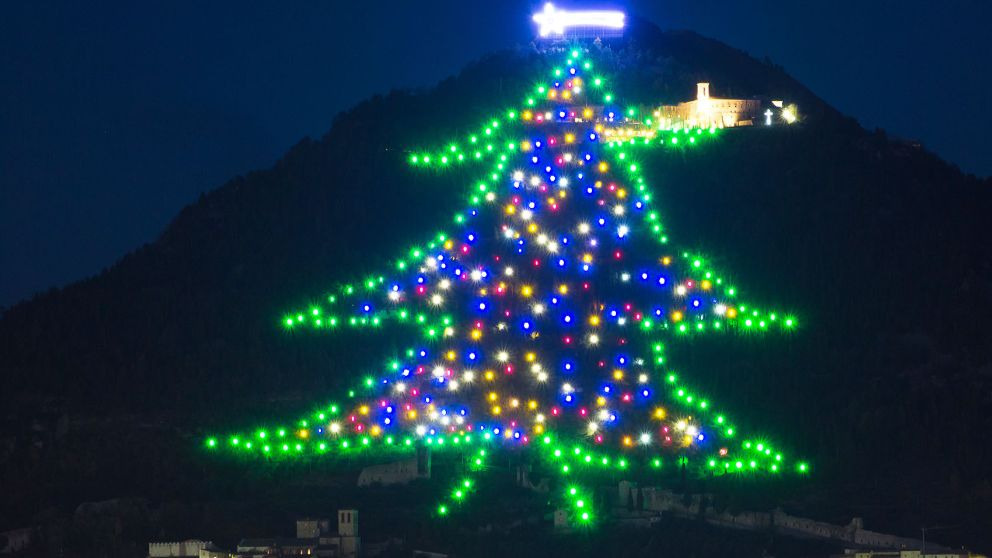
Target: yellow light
column 527, row 115
column 587, row 258
column 493, row 396
column 497, row 410
column 594, row 320
column 706, row 285
column 449, row 244
column 510, row 209
column 563, row 289
column 618, row 374
column 526, row 291
column 411, row 414
column 539, row 429
column 731, row 312
column 490, row 375
column 628, row 441
column 659, row 413
column 532, row 405
column 304, row 433
column 569, row 138
column 621, row 193
column 566, row 95
column 530, row 357
column 476, row 334
column 587, row 113
column 364, row 409
column 451, row 355
column 375, row 430
column 666, row 260
column 603, row 167
column 514, row 402
column 676, row 316
column 600, row 401
column 532, row 228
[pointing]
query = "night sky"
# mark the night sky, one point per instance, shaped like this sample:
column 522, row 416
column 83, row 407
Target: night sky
column 114, row 115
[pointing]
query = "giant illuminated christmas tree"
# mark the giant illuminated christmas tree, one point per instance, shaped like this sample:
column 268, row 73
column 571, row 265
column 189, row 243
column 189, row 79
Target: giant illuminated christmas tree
column 540, row 318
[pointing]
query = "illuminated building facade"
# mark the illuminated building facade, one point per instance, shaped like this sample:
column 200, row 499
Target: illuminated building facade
column 706, row 111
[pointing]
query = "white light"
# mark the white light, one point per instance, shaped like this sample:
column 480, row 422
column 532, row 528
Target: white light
column 437, row 300
column 421, row 430
column 468, row 376
column 720, row 309
column 553, row 21
column 335, row 428
column 438, row 372
column 518, row 176
column 645, row 438
column 622, row 230
column 476, row 275
column 502, row 356
column 538, row 309
column 583, row 228
column 445, row 284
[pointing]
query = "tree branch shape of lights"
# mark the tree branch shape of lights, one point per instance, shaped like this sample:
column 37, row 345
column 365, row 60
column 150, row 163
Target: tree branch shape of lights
column 538, row 323
column 553, row 21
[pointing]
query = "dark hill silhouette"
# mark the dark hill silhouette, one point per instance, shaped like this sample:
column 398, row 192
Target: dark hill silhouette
column 881, row 248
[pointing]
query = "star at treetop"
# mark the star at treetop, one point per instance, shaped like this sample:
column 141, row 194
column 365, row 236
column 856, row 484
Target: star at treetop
column 538, row 322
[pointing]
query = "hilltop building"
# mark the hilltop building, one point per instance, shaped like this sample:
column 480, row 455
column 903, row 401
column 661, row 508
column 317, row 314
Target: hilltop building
column 706, row 111
column 398, row 472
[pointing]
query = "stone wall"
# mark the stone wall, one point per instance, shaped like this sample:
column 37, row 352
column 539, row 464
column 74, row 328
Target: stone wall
column 697, row 506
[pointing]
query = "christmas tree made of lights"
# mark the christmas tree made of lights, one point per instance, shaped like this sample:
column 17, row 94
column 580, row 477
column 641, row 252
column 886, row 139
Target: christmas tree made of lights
column 540, row 318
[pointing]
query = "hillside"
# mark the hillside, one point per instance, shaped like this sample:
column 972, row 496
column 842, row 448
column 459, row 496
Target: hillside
column 880, row 247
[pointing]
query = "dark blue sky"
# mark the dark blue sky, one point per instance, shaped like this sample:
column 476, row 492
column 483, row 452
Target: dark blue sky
column 113, row 115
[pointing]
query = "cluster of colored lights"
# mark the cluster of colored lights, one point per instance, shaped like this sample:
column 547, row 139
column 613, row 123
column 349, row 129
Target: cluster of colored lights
column 553, row 324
